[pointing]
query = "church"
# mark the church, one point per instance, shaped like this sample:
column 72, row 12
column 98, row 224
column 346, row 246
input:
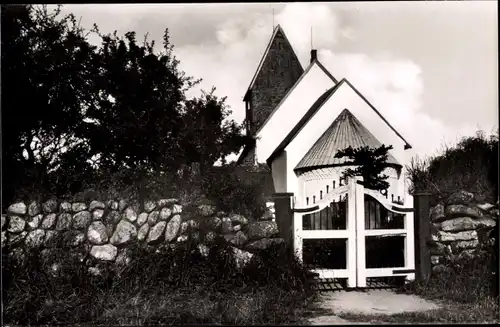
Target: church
column 299, row 118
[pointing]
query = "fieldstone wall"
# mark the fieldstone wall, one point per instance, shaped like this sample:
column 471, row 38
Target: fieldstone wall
column 460, row 224
column 106, row 229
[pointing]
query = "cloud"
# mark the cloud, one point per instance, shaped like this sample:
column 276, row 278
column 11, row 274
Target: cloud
column 394, row 85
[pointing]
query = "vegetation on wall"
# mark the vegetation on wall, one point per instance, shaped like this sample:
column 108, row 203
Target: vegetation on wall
column 76, row 113
column 471, row 165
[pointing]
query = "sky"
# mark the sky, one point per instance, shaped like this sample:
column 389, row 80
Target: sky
column 431, row 68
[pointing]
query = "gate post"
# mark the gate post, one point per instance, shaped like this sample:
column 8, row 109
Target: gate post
column 422, row 236
column 284, row 216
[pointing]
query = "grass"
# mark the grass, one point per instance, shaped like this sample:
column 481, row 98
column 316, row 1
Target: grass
column 171, row 287
column 464, row 293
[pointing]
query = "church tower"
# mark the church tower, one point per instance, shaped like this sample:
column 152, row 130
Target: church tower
column 277, row 72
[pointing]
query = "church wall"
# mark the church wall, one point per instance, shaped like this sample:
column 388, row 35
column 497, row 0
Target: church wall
column 294, row 107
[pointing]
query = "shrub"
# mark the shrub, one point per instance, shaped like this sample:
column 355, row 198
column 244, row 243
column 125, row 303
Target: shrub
column 471, row 165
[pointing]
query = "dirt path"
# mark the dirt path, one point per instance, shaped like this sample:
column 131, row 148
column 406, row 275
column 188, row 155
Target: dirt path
column 369, row 302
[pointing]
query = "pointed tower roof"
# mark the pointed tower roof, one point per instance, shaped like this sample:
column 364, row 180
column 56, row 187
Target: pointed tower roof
column 346, row 130
column 278, row 33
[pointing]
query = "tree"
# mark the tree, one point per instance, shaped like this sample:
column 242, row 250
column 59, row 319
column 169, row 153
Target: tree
column 73, row 111
column 370, row 164
column 47, row 69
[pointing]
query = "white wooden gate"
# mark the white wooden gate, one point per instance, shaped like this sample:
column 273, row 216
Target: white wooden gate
column 368, row 216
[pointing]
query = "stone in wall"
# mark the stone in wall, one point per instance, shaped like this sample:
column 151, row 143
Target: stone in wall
column 34, row 209
column 156, row 234
column 17, row 209
column 460, row 197
column 142, row 218
column 96, row 205
column 82, row 219
column 65, row 207
column 49, row 206
column 165, row 213
column 466, row 223
column 153, row 217
column 64, row 221
column 35, row 238
column 460, row 210
column 34, row 222
column 172, row 228
column 16, row 224
column 49, row 221
column 106, row 252
column 262, row 229
column 460, row 236
column 78, row 206
column 97, row 234
column 143, row 232
column 124, row 233
column 263, row 243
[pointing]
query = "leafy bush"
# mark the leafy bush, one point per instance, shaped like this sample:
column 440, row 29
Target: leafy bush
column 471, row 165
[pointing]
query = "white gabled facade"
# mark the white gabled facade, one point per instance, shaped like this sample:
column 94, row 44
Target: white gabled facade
column 344, row 97
column 314, row 82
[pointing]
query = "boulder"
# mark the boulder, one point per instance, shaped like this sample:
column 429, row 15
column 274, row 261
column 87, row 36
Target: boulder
column 35, row 238
column 78, row 206
column 106, row 252
column 172, row 229
column 466, row 223
column 34, row 222
column 437, row 213
column 176, row 209
column 97, row 214
column 65, row 207
column 264, row 243
column 460, row 236
column 241, row 257
column 460, row 197
column 143, row 232
column 165, row 214
column 153, row 217
column 149, row 206
column 156, row 234
column 206, row 210
column 125, row 233
column 64, row 221
column 34, row 209
column 485, row 206
column 142, row 218
column 96, row 205
column 467, row 244
column 49, row 206
column 167, row 202
column 238, row 219
column 460, row 210
column 49, row 221
column 17, row 209
column 97, row 234
column 16, row 224
column 81, row 219
column 130, row 214
column 262, row 229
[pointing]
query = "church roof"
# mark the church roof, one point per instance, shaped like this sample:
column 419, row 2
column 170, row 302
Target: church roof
column 312, row 111
column 346, row 130
column 278, row 31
